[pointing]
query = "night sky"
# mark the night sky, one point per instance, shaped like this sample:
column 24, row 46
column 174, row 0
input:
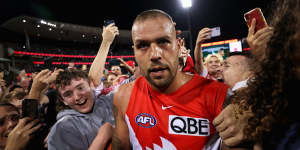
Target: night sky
column 228, row 14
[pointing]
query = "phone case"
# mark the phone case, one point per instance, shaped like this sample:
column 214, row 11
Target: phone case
column 108, row 22
column 30, row 108
column 216, row 32
column 259, row 17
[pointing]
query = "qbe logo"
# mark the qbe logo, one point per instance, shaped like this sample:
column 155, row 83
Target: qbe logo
column 145, row 120
column 183, row 125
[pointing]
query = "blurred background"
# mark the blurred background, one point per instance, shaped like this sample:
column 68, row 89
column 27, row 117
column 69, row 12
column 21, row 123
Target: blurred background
column 37, row 34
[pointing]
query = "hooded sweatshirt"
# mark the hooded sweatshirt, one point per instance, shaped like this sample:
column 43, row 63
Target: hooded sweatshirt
column 76, row 131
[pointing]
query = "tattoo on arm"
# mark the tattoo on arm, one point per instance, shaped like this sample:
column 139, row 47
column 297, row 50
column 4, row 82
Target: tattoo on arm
column 116, row 142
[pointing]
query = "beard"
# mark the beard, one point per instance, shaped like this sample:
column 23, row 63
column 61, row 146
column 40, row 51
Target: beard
column 161, row 83
column 164, row 81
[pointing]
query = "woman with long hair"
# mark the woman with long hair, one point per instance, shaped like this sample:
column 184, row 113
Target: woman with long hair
column 272, row 96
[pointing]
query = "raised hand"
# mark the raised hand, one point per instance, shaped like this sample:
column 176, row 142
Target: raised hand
column 204, row 34
column 184, row 52
column 122, row 62
column 19, row 137
column 258, row 41
column 109, row 33
column 40, row 81
column 53, row 75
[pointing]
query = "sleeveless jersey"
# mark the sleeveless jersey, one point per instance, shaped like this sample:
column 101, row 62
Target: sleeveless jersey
column 181, row 120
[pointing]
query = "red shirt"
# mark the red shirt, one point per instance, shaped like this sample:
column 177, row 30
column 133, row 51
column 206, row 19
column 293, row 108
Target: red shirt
column 189, row 66
column 181, row 120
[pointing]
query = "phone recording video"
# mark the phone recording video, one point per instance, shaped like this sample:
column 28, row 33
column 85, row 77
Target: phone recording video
column 256, row 14
column 215, row 32
column 108, row 22
column 30, row 108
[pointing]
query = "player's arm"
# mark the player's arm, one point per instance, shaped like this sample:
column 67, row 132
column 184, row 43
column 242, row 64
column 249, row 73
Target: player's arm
column 120, row 140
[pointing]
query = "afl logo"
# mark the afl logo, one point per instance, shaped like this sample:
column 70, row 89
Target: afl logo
column 145, row 120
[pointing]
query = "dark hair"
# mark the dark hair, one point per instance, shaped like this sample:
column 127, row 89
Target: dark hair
column 15, row 87
column 10, row 96
column 152, row 13
column 115, row 65
column 272, row 96
column 250, row 61
column 63, row 79
column 9, row 105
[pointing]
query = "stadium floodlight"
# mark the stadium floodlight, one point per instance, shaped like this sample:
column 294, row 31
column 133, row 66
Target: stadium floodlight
column 186, row 3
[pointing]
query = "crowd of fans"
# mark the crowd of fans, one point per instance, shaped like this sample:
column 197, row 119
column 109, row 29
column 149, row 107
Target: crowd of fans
column 250, row 96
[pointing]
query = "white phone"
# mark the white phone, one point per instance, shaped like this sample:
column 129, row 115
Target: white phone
column 216, row 31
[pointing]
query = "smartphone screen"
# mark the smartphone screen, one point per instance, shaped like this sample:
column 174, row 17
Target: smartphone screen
column 215, row 31
column 259, row 17
column 30, row 108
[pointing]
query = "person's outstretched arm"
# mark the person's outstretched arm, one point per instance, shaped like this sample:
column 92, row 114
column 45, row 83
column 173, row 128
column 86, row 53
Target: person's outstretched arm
column 203, row 35
column 96, row 70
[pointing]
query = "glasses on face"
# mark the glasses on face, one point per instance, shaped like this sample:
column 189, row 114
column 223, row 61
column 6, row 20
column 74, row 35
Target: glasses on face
column 11, row 117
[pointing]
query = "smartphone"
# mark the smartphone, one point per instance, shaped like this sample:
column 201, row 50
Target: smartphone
column 30, row 108
column 216, row 31
column 108, row 22
column 259, row 17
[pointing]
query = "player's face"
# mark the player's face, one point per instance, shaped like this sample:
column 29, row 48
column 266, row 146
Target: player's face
column 156, row 50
